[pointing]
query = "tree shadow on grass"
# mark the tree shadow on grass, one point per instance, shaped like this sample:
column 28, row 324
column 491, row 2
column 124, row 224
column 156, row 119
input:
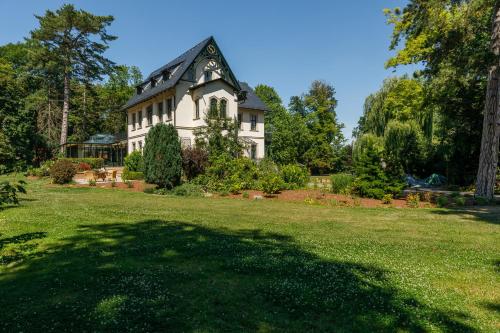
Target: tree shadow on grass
column 20, row 247
column 487, row 214
column 180, row 277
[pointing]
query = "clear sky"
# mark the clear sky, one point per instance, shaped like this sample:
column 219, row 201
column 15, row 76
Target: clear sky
column 285, row 44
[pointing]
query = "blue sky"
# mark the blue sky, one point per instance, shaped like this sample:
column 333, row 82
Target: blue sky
column 285, row 44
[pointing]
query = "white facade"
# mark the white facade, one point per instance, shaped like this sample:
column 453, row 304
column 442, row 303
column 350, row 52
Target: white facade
column 186, row 104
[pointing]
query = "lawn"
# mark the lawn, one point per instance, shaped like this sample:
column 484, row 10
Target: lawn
column 75, row 259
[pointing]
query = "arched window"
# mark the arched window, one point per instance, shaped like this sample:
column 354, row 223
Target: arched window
column 223, row 108
column 213, row 107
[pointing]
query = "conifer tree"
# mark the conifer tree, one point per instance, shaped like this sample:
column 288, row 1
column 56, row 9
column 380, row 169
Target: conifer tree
column 162, row 156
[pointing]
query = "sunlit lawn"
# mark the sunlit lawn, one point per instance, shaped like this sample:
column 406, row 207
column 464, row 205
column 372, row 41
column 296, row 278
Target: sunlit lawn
column 109, row 260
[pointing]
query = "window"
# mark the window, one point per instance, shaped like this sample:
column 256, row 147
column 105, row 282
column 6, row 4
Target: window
column 253, row 122
column 208, row 76
column 133, row 146
column 169, row 108
column 197, row 109
column 213, row 107
column 139, row 120
column 240, row 120
column 223, row 107
column 140, row 146
column 133, row 121
column 185, row 142
column 149, row 115
column 160, row 111
column 253, row 151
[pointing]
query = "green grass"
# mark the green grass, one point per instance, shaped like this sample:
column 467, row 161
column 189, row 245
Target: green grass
column 74, row 259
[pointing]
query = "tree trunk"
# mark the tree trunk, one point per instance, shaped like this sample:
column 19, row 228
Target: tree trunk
column 488, row 160
column 65, row 112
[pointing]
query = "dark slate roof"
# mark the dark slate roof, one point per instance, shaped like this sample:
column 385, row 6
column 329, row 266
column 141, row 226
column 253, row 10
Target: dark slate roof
column 252, row 101
column 103, row 138
column 184, row 60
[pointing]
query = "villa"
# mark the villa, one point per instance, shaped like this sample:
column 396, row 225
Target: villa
column 184, row 90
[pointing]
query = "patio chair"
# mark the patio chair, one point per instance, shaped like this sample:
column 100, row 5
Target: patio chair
column 112, row 175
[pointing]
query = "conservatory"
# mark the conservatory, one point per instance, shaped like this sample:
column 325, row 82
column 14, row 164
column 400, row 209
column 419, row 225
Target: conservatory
column 111, row 148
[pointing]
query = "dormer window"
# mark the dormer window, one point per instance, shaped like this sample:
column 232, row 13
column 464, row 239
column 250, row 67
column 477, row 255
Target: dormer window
column 165, row 76
column 139, row 90
column 208, row 76
column 153, row 83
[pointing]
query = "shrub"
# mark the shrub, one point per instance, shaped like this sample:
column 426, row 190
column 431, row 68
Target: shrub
column 43, row 170
column 272, row 183
column 246, row 195
column 341, row 183
column 62, row 171
column 387, row 199
column 481, row 201
column 162, row 156
column 413, row 200
column 9, row 192
column 426, row 196
column 188, row 190
column 129, row 184
column 442, row 201
column 372, row 179
column 226, row 173
column 92, row 182
column 113, row 183
column 460, row 201
column 95, row 163
column 294, row 176
column 194, row 162
column 82, row 166
column 134, row 161
column 132, row 175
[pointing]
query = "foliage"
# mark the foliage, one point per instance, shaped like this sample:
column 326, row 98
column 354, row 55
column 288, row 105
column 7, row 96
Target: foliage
column 62, row 171
column 387, row 199
column 188, row 190
column 294, row 176
column 92, row 182
column 219, row 136
column 413, row 200
column 272, row 183
column 94, row 162
column 372, row 180
column 129, row 184
column 286, row 134
column 194, row 162
column 73, row 42
column 162, row 156
column 9, row 192
column 326, row 138
column 134, row 161
column 82, row 166
column 341, row 183
column 229, row 174
column 442, row 201
column 451, row 39
column 404, row 147
column 481, row 201
column 43, row 170
column 460, row 201
column 132, row 175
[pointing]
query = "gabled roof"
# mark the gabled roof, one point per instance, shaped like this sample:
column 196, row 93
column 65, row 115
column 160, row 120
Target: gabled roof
column 177, row 68
column 182, row 62
column 253, row 101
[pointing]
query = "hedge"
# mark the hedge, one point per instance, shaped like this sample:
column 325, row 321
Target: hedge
column 95, row 163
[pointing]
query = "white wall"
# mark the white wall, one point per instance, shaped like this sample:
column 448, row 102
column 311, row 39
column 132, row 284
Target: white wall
column 183, row 115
